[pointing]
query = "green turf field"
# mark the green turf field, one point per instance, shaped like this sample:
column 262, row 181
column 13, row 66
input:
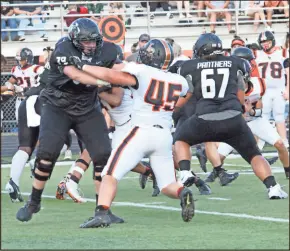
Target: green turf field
column 235, row 217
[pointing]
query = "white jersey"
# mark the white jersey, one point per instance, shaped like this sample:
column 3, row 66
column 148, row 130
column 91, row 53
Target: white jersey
column 27, row 76
column 271, row 67
column 155, row 95
column 255, row 93
column 122, row 113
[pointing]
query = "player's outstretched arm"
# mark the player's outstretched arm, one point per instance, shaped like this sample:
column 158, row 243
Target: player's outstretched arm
column 114, row 97
column 105, row 74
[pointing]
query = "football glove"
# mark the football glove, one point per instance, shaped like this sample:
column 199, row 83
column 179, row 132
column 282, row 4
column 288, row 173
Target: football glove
column 76, row 61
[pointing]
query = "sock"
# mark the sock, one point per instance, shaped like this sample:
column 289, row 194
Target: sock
column 184, row 165
column 97, row 197
column 270, row 181
column 198, row 147
column 18, row 163
column 36, row 195
column 148, row 171
column 218, row 168
column 179, row 191
column 287, row 169
column 102, row 207
column 74, row 178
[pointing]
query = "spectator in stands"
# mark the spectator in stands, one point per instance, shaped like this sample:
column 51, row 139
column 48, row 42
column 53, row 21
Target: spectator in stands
column 72, row 10
column 273, row 5
column 12, row 23
column 29, row 11
column 120, row 10
column 213, row 16
column 254, row 9
column 154, row 5
column 143, row 39
column 96, row 9
column 186, row 5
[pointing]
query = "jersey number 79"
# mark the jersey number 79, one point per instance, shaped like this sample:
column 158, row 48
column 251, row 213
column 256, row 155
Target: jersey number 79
column 162, row 95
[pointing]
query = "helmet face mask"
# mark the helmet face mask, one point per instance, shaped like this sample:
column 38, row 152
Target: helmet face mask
column 267, row 41
column 86, row 37
column 24, row 57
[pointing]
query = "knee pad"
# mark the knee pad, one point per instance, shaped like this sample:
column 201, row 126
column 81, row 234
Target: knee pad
column 98, row 169
column 45, row 168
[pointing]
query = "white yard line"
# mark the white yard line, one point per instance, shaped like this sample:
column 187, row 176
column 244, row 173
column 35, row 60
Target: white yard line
column 231, row 156
column 218, row 198
column 168, row 208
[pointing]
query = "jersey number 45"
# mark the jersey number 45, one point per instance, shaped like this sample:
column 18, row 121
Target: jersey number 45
column 162, row 95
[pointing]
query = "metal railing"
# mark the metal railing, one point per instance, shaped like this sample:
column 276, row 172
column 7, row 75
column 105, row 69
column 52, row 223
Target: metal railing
column 146, row 11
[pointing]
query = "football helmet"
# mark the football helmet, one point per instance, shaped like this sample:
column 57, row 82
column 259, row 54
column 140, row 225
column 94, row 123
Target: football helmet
column 266, row 36
column 207, row 44
column 86, row 37
column 156, row 53
column 24, row 54
column 243, row 52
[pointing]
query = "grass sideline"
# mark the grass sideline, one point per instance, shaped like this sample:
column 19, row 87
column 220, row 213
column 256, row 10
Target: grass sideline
column 149, row 226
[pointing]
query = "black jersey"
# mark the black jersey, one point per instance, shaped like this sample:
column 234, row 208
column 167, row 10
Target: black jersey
column 61, row 91
column 215, row 82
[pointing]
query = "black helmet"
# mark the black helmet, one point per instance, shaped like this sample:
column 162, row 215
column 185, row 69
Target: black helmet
column 243, row 52
column 24, row 54
column 207, row 44
column 86, row 30
column 156, row 53
column 266, row 36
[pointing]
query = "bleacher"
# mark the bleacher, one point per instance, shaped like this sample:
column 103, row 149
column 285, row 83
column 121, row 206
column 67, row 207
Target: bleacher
column 182, row 31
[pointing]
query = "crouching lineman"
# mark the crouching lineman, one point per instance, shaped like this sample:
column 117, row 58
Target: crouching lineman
column 260, row 126
column 155, row 94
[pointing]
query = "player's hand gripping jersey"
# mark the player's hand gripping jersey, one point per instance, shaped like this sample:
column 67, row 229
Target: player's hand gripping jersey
column 155, row 96
column 63, row 92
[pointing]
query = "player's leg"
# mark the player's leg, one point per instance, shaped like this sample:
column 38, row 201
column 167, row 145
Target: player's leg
column 245, row 143
column 279, row 104
column 51, row 140
column 163, row 167
column 27, row 138
column 264, row 130
column 122, row 159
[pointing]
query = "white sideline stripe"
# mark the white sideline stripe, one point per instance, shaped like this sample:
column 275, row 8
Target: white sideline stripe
column 218, row 198
column 231, row 156
column 143, row 205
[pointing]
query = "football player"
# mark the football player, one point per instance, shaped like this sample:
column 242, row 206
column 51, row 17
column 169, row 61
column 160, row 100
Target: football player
column 219, row 87
column 25, row 75
column 70, row 100
column 155, row 95
column 273, row 66
column 261, row 127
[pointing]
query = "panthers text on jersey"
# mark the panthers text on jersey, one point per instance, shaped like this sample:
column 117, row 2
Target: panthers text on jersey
column 272, row 67
column 155, row 95
column 61, row 91
column 215, row 82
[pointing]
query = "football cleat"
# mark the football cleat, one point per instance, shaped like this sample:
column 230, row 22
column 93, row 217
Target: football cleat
column 156, row 190
column 101, row 219
column 67, row 155
column 73, row 191
column 114, row 218
column 212, row 176
column 25, row 213
column 187, row 204
column 226, row 178
column 14, row 191
column 203, row 188
column 272, row 160
column 61, row 190
column 187, row 178
column 276, row 192
column 201, row 156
